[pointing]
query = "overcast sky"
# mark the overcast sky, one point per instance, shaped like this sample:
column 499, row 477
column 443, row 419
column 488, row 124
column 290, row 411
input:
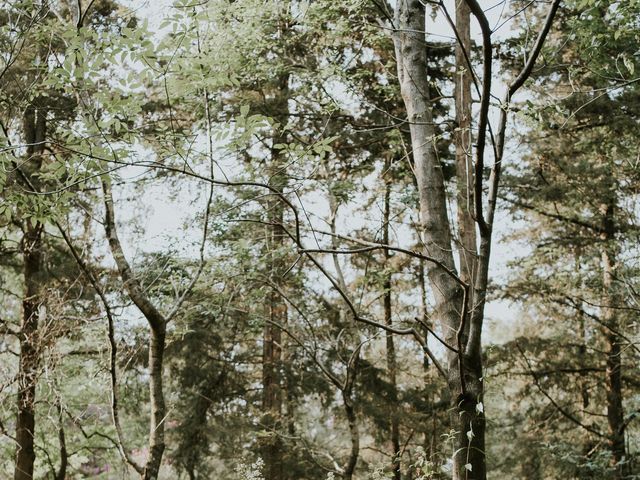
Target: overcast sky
column 162, row 219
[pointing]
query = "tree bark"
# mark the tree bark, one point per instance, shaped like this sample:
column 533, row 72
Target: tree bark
column 466, row 389
column 34, row 129
column 354, row 434
column 272, row 381
column 462, row 138
column 394, row 419
column 29, row 355
column 158, row 324
column 613, row 383
column 61, row 474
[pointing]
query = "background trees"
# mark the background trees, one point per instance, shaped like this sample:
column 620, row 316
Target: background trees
column 252, row 238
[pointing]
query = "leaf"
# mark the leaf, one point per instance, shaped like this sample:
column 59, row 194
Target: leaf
column 628, row 63
column 479, row 407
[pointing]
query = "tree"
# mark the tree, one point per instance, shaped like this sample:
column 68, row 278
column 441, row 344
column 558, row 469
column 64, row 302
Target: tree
column 587, row 240
column 459, row 305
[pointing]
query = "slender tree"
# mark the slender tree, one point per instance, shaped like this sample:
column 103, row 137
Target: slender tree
column 459, row 304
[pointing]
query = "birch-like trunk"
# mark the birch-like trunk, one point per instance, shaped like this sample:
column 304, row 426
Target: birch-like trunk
column 157, row 325
column 466, row 389
column 462, row 137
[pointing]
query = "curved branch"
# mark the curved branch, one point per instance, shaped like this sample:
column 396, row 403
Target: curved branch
column 565, row 413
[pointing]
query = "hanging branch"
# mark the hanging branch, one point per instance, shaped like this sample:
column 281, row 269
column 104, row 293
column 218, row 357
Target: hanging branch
column 560, row 409
column 486, row 225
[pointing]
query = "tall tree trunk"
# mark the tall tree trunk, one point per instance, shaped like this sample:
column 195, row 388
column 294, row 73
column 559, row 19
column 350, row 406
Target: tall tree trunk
column 613, row 383
column 61, row 474
column 354, row 434
column 34, row 133
column 158, row 408
column 466, row 388
column 462, row 138
column 584, row 360
column 272, row 381
column 29, row 355
column 157, row 325
column 394, row 418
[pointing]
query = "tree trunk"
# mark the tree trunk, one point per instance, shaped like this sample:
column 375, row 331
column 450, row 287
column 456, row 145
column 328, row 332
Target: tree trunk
column 462, row 138
column 61, row 474
column 466, row 389
column 157, row 325
column 394, row 419
column 354, row 434
column 29, row 356
column 272, row 381
column 158, row 408
column 613, row 383
column 34, row 133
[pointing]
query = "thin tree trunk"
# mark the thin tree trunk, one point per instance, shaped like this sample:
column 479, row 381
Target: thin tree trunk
column 462, row 137
column 158, row 408
column 466, row 388
column 354, row 435
column 583, row 362
column 394, row 419
column 613, row 383
column 34, row 133
column 272, row 381
column 158, row 324
column 29, row 356
column 61, row 474
column 471, row 422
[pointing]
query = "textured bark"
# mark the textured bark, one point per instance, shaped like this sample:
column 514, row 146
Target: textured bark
column 158, row 324
column 272, row 381
column 466, row 389
column 158, row 408
column 34, row 130
column 61, row 474
column 462, row 139
column 613, row 383
column 354, row 435
column 392, row 370
column 29, row 356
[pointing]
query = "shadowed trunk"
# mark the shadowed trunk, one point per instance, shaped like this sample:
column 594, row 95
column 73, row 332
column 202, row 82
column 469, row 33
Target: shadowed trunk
column 354, row 435
column 613, row 383
column 31, row 246
column 272, row 381
column 394, row 419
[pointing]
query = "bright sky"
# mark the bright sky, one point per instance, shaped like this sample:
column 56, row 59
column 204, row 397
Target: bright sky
column 163, row 218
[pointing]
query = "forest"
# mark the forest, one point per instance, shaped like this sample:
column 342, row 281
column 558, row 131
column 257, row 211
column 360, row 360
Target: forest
column 320, row 240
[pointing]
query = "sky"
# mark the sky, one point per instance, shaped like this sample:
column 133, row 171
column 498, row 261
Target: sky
column 164, row 220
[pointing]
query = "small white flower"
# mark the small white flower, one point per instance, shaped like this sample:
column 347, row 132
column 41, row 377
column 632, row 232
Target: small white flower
column 251, row 472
